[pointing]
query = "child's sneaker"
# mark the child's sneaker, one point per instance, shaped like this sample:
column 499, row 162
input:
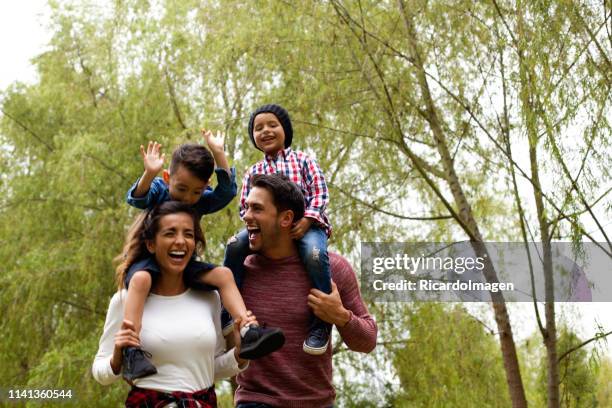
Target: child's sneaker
column 258, row 341
column 136, row 364
column 228, row 328
column 226, row 322
column 318, row 338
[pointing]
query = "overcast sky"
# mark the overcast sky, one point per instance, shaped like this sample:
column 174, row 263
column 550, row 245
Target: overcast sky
column 22, row 36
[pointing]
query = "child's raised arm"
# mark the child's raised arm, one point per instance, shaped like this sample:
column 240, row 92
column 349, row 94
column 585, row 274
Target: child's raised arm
column 225, row 190
column 215, row 144
column 153, row 162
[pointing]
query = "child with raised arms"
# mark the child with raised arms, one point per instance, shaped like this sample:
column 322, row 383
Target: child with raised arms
column 187, row 180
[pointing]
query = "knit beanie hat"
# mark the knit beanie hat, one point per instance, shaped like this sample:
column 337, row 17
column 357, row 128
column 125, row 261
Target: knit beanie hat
column 283, row 118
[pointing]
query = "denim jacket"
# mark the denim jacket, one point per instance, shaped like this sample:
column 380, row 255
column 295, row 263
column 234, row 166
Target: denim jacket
column 210, row 202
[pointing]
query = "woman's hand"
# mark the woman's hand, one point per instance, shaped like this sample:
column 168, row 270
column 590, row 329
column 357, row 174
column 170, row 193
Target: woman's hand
column 239, row 323
column 125, row 337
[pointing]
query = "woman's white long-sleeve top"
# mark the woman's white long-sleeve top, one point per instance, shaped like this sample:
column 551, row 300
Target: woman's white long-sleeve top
column 183, row 334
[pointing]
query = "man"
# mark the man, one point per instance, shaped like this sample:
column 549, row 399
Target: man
column 278, row 291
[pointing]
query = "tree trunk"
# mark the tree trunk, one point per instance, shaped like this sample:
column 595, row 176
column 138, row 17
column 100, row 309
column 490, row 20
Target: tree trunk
column 527, row 98
column 508, row 347
column 550, row 332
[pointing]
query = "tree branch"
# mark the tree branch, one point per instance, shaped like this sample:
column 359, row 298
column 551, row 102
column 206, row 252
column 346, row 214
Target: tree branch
column 173, row 100
column 339, row 349
column 75, row 305
column 388, row 106
column 27, row 129
column 106, row 166
column 380, row 210
column 598, row 336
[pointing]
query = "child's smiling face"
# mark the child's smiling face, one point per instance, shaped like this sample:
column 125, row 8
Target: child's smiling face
column 268, row 133
column 185, row 186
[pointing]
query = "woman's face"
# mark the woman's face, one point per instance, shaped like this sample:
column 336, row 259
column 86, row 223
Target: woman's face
column 174, row 242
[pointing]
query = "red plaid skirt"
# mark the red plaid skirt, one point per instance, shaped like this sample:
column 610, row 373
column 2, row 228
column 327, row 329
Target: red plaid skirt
column 143, row 398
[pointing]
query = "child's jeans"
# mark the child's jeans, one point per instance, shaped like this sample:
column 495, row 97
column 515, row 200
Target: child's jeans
column 312, row 248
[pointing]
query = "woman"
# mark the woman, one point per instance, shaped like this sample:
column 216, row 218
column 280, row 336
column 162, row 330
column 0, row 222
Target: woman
column 180, row 327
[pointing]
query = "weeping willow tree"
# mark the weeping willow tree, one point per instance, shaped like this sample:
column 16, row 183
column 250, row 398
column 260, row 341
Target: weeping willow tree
column 461, row 360
column 418, row 111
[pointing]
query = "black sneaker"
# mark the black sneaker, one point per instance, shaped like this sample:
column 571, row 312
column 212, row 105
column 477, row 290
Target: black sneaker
column 258, row 342
column 318, row 338
column 136, row 364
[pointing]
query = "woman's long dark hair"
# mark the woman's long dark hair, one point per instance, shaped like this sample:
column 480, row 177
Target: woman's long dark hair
column 144, row 229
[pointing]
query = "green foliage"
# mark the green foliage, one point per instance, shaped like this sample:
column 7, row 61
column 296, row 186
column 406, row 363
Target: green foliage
column 448, row 360
column 584, row 380
column 117, row 75
column 578, row 373
column 604, row 383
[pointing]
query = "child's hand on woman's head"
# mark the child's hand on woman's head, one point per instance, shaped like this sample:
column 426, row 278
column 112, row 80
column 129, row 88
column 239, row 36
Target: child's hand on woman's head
column 214, row 142
column 301, row 227
column 152, row 158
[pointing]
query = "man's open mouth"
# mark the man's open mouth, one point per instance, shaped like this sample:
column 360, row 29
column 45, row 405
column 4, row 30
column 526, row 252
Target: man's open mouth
column 253, row 232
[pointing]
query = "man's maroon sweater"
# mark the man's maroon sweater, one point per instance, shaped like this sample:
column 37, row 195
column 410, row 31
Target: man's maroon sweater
column 276, row 291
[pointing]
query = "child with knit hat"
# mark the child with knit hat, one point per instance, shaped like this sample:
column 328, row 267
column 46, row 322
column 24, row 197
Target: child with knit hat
column 271, row 132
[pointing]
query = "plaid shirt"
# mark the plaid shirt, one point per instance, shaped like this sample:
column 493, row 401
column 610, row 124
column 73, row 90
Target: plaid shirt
column 142, row 397
column 303, row 171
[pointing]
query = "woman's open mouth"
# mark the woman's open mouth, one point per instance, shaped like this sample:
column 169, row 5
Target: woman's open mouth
column 177, row 256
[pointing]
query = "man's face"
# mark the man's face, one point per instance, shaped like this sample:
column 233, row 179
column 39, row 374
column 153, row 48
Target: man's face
column 263, row 221
column 185, row 186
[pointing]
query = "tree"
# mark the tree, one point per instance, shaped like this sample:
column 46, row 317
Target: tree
column 604, row 383
column 416, row 110
column 578, row 372
column 458, row 367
